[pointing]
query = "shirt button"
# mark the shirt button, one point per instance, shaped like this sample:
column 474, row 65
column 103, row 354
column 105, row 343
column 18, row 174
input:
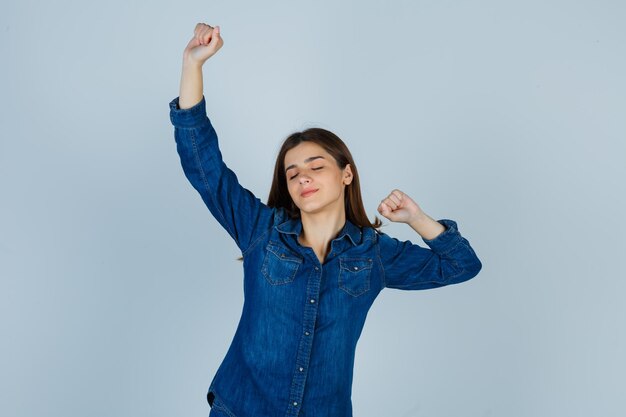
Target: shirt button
column 307, row 333
column 301, row 369
column 356, row 268
column 317, row 269
column 312, row 300
column 295, row 403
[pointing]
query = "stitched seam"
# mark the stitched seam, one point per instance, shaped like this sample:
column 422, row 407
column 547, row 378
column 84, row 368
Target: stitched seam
column 276, row 249
column 365, row 265
column 413, row 285
column 289, row 278
column 454, row 261
column 221, row 405
column 439, row 283
column 456, row 265
column 224, row 409
column 256, row 242
column 459, row 240
column 348, row 289
column 206, row 184
column 382, row 266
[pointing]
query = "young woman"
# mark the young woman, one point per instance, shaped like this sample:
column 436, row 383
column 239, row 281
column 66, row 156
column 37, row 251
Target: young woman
column 313, row 262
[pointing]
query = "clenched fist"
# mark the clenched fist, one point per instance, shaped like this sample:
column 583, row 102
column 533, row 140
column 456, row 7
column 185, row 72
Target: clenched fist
column 206, row 41
column 399, row 207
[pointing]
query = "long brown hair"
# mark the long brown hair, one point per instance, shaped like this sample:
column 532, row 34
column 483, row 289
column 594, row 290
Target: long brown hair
column 279, row 194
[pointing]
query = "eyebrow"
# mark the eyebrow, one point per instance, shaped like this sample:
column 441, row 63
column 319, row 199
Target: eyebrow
column 306, row 161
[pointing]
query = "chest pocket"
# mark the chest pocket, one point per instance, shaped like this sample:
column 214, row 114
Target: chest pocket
column 280, row 264
column 354, row 275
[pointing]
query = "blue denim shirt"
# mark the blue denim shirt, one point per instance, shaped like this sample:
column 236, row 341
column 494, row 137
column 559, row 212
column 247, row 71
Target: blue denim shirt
column 293, row 350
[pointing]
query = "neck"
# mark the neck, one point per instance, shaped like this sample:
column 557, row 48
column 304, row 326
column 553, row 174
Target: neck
column 320, row 228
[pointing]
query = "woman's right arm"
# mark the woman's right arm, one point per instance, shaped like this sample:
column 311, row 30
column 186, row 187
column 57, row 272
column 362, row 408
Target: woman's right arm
column 205, row 43
column 243, row 215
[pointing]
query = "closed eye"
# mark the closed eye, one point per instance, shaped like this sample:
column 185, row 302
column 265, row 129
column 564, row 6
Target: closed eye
column 314, row 169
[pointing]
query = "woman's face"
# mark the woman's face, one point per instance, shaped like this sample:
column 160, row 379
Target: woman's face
column 314, row 180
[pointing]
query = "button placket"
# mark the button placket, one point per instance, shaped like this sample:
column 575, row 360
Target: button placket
column 304, row 355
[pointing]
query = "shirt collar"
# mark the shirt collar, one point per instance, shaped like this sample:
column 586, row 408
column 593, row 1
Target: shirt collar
column 294, row 226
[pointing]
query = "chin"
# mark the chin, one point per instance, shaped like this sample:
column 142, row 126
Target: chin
column 313, row 208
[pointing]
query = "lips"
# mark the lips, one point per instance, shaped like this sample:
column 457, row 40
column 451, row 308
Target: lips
column 307, row 193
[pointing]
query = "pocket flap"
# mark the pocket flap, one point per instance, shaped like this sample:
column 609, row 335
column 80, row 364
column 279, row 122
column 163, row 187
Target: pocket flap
column 355, row 264
column 283, row 253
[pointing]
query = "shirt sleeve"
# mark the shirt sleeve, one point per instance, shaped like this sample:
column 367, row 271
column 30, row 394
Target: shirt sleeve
column 242, row 214
column 408, row 266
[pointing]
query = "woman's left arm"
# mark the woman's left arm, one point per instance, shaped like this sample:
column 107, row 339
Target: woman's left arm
column 408, row 266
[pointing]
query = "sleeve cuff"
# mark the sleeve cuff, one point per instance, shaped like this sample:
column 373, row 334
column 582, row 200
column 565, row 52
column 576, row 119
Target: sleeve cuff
column 191, row 117
column 447, row 239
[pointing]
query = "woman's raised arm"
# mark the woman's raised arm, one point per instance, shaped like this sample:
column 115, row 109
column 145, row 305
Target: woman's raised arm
column 205, row 43
column 243, row 215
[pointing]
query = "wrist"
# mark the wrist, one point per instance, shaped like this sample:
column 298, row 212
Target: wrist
column 427, row 227
column 190, row 63
column 418, row 219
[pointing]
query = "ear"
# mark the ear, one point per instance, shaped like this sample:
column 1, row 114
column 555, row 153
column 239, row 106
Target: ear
column 347, row 174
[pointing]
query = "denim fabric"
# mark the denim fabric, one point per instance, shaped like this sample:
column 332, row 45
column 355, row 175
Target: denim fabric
column 293, row 350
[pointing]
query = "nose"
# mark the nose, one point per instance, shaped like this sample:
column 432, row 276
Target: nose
column 304, row 179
